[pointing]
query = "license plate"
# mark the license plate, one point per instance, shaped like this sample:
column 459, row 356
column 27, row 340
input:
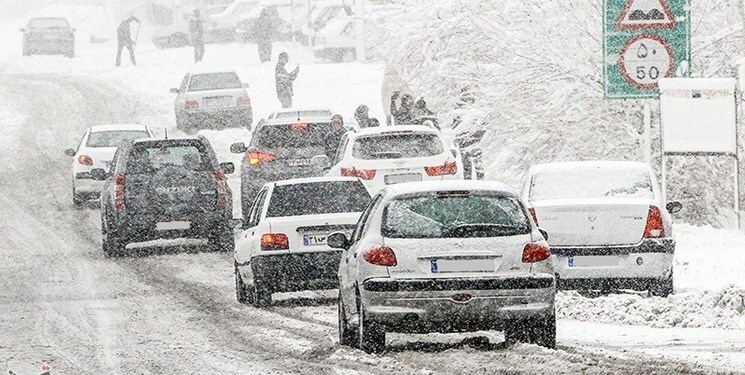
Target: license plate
column 173, row 225
column 400, row 178
column 298, row 162
column 217, row 102
column 462, row 265
column 593, row 261
column 314, row 239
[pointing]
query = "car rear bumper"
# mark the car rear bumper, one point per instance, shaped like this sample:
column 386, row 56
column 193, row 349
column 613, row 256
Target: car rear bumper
column 289, row 272
column 437, row 304
column 83, row 183
column 219, row 118
column 639, row 284
column 139, row 228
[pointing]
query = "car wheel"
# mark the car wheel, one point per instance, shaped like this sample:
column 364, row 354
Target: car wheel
column 540, row 331
column 347, row 334
column 113, row 246
column 262, row 294
column 371, row 334
column 662, row 288
column 223, row 242
column 243, row 294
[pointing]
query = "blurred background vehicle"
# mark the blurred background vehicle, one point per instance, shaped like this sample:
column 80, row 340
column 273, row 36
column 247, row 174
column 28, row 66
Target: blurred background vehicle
column 48, row 35
column 170, row 22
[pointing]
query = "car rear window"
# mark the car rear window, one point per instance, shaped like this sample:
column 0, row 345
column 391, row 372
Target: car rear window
column 292, row 135
column 318, row 198
column 455, row 215
column 113, row 138
column 396, row 146
column 595, row 182
column 48, row 23
column 147, row 158
column 214, row 81
column 303, row 114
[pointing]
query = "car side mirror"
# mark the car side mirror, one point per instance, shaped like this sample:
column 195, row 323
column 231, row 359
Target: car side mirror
column 543, row 233
column 245, row 85
column 238, row 148
column 228, row 167
column 70, row 152
column 174, row 91
column 338, row 240
column 237, row 223
column 674, row 206
column 320, row 161
column 99, row 174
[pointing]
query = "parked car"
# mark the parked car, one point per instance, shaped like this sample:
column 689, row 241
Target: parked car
column 445, row 256
column 96, row 150
column 48, row 35
column 394, row 154
column 283, row 247
column 212, row 100
column 284, row 18
column 226, row 22
column 175, row 32
column 166, row 188
column 337, row 41
column 280, row 149
column 610, row 227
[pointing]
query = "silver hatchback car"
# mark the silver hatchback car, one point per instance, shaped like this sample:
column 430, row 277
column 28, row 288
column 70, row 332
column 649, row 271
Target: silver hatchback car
column 445, row 256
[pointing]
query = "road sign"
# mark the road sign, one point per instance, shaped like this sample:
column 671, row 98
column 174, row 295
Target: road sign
column 643, row 41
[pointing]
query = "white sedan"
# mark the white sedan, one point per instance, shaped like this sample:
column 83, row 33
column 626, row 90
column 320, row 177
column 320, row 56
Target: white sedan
column 283, row 245
column 609, row 227
column 451, row 256
column 394, row 154
column 95, row 151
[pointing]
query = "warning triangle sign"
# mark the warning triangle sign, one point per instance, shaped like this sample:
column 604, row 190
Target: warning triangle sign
column 646, row 14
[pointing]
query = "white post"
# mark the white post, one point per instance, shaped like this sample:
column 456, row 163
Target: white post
column 360, row 30
column 737, row 191
column 647, row 133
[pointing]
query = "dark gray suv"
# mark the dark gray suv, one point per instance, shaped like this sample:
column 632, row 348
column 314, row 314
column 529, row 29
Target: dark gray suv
column 167, row 188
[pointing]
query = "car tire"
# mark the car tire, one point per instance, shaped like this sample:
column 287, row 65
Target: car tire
column 540, row 331
column 262, row 294
column 347, row 335
column 243, row 294
column 662, row 288
column 223, row 242
column 113, row 246
column 371, row 335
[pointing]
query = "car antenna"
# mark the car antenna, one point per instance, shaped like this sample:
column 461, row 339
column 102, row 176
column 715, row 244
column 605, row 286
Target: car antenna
column 166, row 130
column 298, row 115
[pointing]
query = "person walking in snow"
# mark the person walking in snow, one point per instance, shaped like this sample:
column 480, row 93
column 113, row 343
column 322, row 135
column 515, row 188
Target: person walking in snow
column 265, row 35
column 284, row 80
column 362, row 116
column 403, row 115
column 196, row 29
column 124, row 39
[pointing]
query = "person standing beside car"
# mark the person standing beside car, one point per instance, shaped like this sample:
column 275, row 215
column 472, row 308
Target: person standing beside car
column 196, row 29
column 333, row 138
column 124, row 39
column 284, row 80
column 362, row 116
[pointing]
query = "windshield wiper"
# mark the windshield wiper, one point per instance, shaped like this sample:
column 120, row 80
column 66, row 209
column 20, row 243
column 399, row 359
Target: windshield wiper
column 481, row 230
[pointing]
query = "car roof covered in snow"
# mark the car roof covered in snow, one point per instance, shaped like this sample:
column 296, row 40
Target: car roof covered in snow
column 294, row 120
column 303, row 112
column 606, row 164
column 311, row 180
column 112, row 127
column 396, row 129
column 447, row 185
column 208, row 70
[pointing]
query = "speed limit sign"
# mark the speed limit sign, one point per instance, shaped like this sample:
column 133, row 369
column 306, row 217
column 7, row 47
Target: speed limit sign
column 645, row 59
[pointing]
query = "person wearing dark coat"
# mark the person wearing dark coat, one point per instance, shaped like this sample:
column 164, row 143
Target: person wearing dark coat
column 403, row 115
column 362, row 116
column 124, row 39
column 284, row 80
column 333, row 138
column 196, row 29
column 265, row 31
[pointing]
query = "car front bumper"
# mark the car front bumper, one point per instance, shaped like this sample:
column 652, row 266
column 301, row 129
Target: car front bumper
column 427, row 305
column 290, row 272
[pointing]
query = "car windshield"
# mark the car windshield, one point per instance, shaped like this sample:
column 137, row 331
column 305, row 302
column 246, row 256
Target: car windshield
column 148, row 158
column 214, row 81
column 318, row 198
column 48, row 23
column 594, row 182
column 452, row 214
column 292, row 135
column 113, row 138
column 396, row 146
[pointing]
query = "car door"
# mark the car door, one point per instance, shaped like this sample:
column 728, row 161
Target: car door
column 249, row 241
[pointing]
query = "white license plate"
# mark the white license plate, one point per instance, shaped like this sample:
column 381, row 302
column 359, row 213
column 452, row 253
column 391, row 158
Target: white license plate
column 314, row 239
column 173, row 225
column 298, row 162
column 217, row 102
column 593, row 261
column 401, row 178
column 462, row 265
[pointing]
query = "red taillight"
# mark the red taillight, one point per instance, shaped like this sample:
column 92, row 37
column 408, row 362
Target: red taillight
column 299, row 126
column 256, row 157
column 244, row 101
column 119, row 193
column 532, row 213
column 222, row 187
column 655, row 227
column 192, row 104
column 275, row 241
column 380, row 256
column 442, row 170
column 365, row 174
column 85, row 160
column 536, row 252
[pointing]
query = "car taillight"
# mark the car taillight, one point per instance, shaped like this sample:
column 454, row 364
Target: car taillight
column 222, row 187
column 655, row 227
column 275, row 241
column 536, row 252
column 442, row 170
column 119, row 193
column 85, row 160
column 365, row 174
column 532, row 213
column 257, row 157
column 380, row 256
column 192, row 104
column 244, row 101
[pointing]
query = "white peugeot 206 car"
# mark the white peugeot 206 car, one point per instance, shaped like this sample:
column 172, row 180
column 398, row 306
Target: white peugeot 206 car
column 96, row 150
column 283, row 245
column 450, row 256
column 394, row 154
column 609, row 227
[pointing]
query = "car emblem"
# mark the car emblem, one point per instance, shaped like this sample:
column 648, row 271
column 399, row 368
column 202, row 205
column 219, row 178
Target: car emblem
column 400, row 163
column 592, row 217
column 459, row 245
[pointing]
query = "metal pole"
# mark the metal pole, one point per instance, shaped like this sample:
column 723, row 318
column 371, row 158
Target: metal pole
column 647, row 133
column 662, row 152
column 737, row 191
column 360, row 29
